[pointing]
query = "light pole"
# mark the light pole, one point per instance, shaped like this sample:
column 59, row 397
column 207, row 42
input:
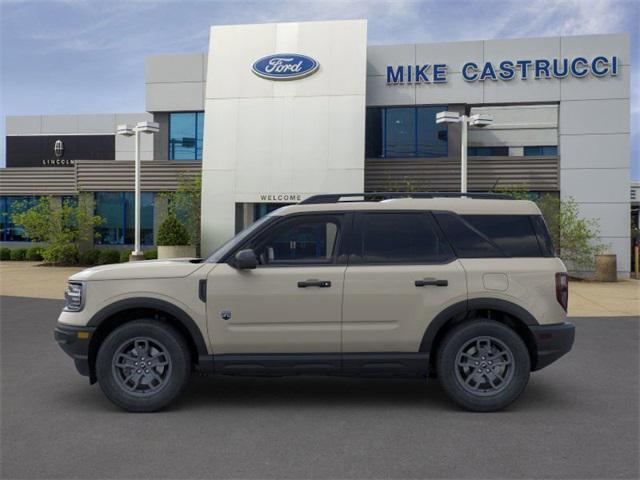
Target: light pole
column 478, row 120
column 128, row 131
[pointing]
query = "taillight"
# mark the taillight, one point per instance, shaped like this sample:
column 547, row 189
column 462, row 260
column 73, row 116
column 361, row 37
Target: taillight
column 562, row 289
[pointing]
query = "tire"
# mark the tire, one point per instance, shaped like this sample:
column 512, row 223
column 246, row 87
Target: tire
column 483, row 365
column 143, row 365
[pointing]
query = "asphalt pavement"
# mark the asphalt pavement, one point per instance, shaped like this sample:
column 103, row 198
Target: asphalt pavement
column 578, row 418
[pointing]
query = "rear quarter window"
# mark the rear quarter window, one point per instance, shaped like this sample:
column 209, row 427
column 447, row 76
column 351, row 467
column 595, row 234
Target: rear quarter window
column 513, row 234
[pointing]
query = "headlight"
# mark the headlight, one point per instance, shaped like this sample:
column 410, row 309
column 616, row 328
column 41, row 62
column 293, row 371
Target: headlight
column 74, row 296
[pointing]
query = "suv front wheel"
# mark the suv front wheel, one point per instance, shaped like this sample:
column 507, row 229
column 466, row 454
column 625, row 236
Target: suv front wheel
column 483, row 365
column 143, row 365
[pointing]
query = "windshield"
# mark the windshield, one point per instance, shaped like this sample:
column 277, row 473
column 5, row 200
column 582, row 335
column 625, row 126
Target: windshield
column 230, row 244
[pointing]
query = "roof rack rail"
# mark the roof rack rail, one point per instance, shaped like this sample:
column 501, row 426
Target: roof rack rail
column 378, row 196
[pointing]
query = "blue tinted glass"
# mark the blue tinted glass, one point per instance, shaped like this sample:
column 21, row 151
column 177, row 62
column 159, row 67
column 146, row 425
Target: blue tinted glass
column 10, row 232
column 185, row 135
column 199, row 134
column 117, row 211
column 432, row 137
column 400, row 129
column 550, row 150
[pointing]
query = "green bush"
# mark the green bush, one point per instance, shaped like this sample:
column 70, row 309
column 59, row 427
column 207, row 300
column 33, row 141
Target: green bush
column 18, row 253
column 5, row 253
column 90, row 257
column 34, row 254
column 108, row 256
column 124, row 256
column 61, row 254
column 151, row 255
column 172, row 232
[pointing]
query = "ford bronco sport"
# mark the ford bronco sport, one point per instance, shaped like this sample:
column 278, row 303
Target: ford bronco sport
column 466, row 289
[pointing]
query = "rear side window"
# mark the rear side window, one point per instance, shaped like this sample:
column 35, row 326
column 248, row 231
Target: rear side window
column 392, row 238
column 513, row 234
column 466, row 240
column 544, row 239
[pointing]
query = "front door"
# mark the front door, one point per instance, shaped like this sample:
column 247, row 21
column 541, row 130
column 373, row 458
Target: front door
column 292, row 302
column 401, row 275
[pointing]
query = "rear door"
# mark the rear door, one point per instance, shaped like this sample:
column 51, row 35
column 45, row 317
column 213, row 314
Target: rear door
column 402, row 273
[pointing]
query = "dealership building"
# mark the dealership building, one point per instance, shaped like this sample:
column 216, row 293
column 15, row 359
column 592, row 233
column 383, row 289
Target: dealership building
column 273, row 113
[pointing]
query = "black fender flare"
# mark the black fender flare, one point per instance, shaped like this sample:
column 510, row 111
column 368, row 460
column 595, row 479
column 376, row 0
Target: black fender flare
column 156, row 304
column 461, row 309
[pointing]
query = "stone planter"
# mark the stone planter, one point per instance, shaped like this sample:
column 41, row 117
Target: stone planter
column 176, row 251
column 606, row 268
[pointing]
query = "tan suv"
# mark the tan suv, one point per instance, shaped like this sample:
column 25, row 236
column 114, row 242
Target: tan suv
column 466, row 289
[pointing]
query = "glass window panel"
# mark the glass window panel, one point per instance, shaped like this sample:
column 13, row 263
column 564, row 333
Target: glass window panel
column 400, row 128
column 308, row 241
column 184, row 139
column 373, row 133
column 513, row 234
column 146, row 217
column 401, row 238
column 550, row 150
column 118, row 212
column 432, row 137
column 465, row 240
column 199, row 134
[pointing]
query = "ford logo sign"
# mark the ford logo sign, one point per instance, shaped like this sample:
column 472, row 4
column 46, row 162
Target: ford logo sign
column 285, row 66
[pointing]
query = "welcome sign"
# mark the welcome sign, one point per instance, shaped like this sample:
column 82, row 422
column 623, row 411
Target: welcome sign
column 506, row 70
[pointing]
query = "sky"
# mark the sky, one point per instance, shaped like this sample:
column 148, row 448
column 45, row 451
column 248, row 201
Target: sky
column 79, row 56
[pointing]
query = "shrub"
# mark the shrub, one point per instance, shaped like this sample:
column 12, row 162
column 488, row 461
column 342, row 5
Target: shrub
column 62, row 227
column 151, row 255
column 5, row 253
column 108, row 256
column 124, row 256
column 90, row 257
column 57, row 254
column 34, row 254
column 172, row 232
column 18, row 253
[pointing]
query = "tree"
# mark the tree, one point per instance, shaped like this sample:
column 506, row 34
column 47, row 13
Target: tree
column 184, row 203
column 61, row 227
column 172, row 232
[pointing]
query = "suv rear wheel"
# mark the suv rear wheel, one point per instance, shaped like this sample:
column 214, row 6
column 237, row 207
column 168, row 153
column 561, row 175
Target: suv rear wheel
column 483, row 365
column 143, row 365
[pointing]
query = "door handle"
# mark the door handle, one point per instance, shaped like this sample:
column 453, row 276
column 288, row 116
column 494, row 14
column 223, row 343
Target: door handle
column 314, row 283
column 428, row 282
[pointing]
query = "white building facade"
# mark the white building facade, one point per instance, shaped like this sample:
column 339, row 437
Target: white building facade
column 276, row 112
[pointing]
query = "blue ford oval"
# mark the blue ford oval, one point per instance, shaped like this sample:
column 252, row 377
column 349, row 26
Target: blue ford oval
column 285, row 66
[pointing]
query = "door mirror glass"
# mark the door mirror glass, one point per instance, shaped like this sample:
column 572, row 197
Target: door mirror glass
column 245, row 259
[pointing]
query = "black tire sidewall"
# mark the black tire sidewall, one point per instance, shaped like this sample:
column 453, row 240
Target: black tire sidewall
column 176, row 349
column 461, row 334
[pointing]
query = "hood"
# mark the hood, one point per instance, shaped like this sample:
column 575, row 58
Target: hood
column 169, row 268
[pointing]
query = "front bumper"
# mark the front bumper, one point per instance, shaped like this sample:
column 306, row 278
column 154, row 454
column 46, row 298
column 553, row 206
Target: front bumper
column 552, row 342
column 75, row 343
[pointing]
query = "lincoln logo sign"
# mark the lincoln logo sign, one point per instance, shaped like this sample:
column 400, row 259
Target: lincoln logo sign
column 58, row 148
column 285, row 66
column 505, row 70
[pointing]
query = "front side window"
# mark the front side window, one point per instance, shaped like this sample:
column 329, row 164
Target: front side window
column 117, row 210
column 300, row 241
column 185, row 135
column 394, row 238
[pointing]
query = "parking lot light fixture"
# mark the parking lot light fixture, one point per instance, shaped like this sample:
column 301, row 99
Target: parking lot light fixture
column 477, row 120
column 128, row 131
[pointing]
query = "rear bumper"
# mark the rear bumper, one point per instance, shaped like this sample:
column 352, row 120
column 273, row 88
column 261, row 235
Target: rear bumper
column 552, row 342
column 75, row 343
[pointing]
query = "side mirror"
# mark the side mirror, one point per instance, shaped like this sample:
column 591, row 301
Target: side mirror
column 245, row 260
